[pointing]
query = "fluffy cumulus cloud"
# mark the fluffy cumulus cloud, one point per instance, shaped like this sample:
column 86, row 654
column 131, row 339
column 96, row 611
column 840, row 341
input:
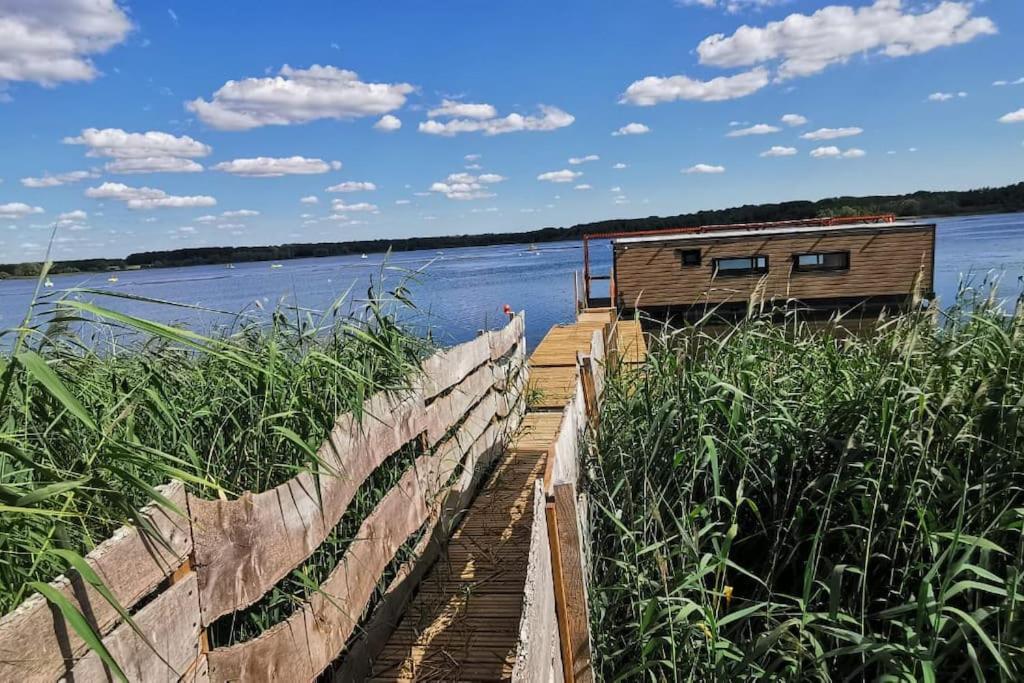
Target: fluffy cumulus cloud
column 832, row 133
column 311, row 199
column 51, row 41
column 833, row 152
column 73, row 220
column 58, row 179
column 563, row 176
column 632, row 129
column 793, row 120
column 241, row 213
column 704, row 168
column 353, row 186
column 549, row 118
column 150, row 152
column 467, row 110
column 272, row 167
column 297, row 96
column 803, row 45
column 18, row 210
column 657, row 89
column 1013, row 117
column 147, row 197
column 388, row 123
column 779, row 151
column 338, row 206
column 576, row 161
column 945, row 96
column 619, row 166
column 466, row 186
column 757, row 129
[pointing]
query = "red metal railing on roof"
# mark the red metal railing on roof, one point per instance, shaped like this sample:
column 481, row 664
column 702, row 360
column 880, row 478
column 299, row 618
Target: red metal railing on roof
column 699, row 229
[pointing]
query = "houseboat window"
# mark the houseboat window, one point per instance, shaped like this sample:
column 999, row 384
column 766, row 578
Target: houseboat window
column 741, row 265
column 689, row 257
column 835, row 260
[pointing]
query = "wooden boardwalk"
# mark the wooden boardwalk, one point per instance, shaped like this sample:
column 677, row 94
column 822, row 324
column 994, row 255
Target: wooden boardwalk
column 463, row 623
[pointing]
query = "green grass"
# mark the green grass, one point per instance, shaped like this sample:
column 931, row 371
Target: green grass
column 780, row 502
column 97, row 408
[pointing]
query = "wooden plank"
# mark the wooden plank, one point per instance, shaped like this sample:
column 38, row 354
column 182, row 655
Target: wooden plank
column 243, row 547
column 170, row 623
column 552, row 386
column 538, row 657
column 577, row 615
column 447, row 410
column 561, row 609
column 37, row 645
column 447, row 368
column 502, row 341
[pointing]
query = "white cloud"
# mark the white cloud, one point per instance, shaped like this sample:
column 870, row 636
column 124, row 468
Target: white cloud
column 153, row 165
column 240, row 213
column 945, row 96
column 119, row 144
column 468, row 110
column 297, row 96
column 563, row 176
column 779, row 151
column 402, row 202
column 18, row 210
column 311, row 199
column 147, row 197
column 473, row 157
column 551, row 118
column 52, row 41
column 583, row 186
column 793, row 119
column 615, row 189
column 656, row 89
column 825, row 152
column 619, row 166
column 75, row 216
column 833, row 152
column 632, row 129
column 1019, row 81
column 388, row 123
column 271, row 167
column 576, row 161
column 1013, row 117
column 807, row 44
column 832, row 133
column 339, row 206
column 205, row 219
column 705, row 168
column 352, row 186
column 757, row 129
column 465, row 186
column 59, row 179
column 732, row 6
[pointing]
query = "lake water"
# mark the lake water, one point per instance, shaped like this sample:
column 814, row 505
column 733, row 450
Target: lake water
column 461, row 291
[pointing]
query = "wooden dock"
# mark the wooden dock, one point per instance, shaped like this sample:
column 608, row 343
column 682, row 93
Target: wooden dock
column 464, row 621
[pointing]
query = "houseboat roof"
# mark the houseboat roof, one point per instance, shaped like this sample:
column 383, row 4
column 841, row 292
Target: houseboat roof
column 740, row 231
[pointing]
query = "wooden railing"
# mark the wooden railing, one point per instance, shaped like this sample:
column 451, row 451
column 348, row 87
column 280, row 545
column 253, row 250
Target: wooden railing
column 215, row 557
column 554, row 635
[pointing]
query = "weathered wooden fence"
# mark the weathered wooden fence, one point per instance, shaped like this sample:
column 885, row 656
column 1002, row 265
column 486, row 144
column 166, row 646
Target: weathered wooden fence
column 215, row 557
column 554, row 634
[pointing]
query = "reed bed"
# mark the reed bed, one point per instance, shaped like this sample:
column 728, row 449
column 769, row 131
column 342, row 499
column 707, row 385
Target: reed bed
column 97, row 408
column 776, row 501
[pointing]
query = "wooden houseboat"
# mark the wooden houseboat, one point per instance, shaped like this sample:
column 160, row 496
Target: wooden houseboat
column 824, row 265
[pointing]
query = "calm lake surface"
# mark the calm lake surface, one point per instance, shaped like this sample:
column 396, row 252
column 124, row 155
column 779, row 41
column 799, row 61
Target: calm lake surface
column 461, row 291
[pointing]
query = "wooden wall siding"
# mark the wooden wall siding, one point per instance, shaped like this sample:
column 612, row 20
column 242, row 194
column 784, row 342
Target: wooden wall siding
column 881, row 263
column 538, row 656
column 244, row 547
column 241, row 545
column 35, row 645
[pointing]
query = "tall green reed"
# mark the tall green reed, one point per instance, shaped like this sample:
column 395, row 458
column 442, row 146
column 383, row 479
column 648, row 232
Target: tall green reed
column 792, row 502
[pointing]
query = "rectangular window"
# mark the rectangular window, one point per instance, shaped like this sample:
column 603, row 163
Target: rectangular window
column 689, row 257
column 833, row 260
column 741, row 265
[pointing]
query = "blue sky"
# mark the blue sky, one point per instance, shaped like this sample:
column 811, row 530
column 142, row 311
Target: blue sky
column 168, row 125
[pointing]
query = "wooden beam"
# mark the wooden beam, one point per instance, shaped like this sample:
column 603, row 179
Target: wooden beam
column 561, row 615
column 570, row 582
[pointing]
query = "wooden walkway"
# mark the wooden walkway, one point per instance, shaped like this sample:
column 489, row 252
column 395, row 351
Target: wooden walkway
column 463, row 622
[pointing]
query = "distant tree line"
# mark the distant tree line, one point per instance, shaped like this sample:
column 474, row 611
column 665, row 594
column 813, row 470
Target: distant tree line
column 985, row 200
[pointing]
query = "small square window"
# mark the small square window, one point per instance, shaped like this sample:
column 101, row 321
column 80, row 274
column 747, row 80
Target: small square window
column 689, row 257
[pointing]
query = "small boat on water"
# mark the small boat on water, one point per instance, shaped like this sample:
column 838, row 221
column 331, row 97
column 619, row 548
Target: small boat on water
column 112, row 278
column 363, row 256
column 276, row 265
column 48, row 283
column 230, row 266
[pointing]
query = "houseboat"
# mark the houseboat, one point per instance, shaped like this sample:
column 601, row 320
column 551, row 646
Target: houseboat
column 821, row 265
